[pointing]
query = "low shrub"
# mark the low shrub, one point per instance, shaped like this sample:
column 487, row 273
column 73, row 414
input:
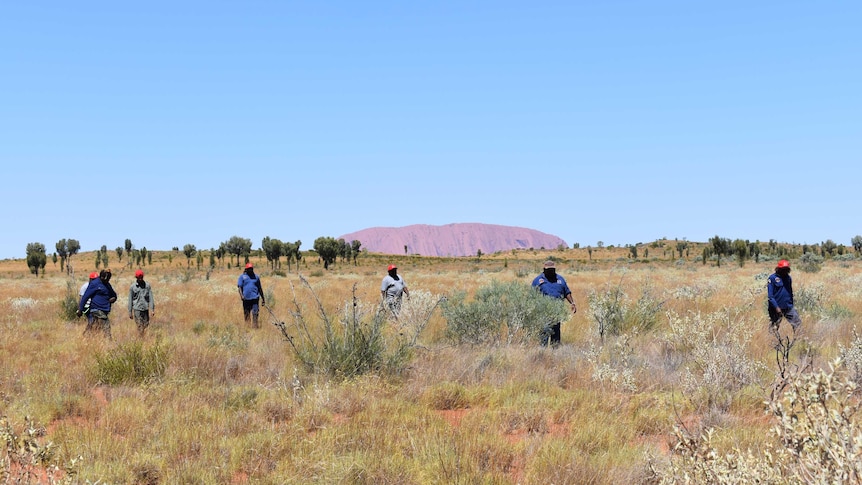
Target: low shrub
column 810, row 298
column 714, row 349
column 25, row 458
column 816, row 440
column 810, row 263
column 361, row 341
column 131, row 363
column 501, row 312
column 615, row 313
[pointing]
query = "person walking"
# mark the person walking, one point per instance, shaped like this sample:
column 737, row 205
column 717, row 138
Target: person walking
column 550, row 284
column 141, row 303
column 251, row 293
column 779, row 291
column 392, row 288
column 83, row 289
column 100, row 295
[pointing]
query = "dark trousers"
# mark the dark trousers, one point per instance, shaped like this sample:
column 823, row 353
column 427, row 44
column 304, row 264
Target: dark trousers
column 551, row 334
column 98, row 320
column 790, row 314
column 142, row 320
column 251, row 308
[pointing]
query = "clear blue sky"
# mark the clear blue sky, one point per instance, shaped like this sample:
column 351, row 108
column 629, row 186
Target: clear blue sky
column 173, row 123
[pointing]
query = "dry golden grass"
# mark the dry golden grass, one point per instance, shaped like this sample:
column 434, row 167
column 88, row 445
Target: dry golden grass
column 234, row 405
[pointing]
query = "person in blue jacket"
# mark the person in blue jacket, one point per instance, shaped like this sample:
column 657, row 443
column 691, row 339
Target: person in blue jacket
column 251, row 294
column 779, row 290
column 100, row 295
column 550, row 284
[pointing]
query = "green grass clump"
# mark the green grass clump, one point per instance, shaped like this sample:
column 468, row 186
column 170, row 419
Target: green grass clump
column 131, row 363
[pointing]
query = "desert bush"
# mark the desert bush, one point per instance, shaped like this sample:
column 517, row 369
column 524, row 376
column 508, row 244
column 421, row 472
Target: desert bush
column 810, row 298
column 24, row 458
column 226, row 337
column 360, row 342
column 714, row 349
column 69, row 308
column 851, row 357
column 816, row 440
column 131, row 363
column 69, row 302
column 697, row 292
column 614, row 312
column 509, row 312
column 615, row 364
column 810, row 263
column 837, row 311
column 818, row 419
column 446, row 395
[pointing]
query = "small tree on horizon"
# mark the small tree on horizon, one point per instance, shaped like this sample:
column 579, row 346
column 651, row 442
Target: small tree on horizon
column 129, row 248
column 328, row 248
column 354, row 246
column 36, row 257
column 189, row 250
column 238, row 246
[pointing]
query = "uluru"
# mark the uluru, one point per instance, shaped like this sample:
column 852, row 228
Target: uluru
column 457, row 239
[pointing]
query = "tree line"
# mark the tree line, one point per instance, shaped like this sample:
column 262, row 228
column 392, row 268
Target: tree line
column 237, row 249
column 330, row 249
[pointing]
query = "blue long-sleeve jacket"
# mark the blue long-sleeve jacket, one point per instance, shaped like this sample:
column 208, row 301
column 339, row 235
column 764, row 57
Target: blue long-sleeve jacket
column 100, row 295
column 558, row 289
column 251, row 287
column 779, row 291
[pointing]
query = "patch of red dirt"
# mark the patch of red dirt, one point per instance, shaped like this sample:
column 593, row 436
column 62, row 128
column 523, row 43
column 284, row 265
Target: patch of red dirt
column 78, row 421
column 453, row 416
column 100, row 396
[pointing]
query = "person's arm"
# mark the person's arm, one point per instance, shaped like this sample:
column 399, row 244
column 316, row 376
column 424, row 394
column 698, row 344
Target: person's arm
column 260, row 291
column 571, row 301
column 131, row 298
column 91, row 291
column 152, row 300
column 770, row 296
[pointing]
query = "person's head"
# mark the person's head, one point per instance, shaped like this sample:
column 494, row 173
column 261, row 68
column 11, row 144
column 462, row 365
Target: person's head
column 392, row 269
column 549, row 268
column 105, row 275
column 249, row 268
column 783, row 267
column 139, row 274
column 94, row 275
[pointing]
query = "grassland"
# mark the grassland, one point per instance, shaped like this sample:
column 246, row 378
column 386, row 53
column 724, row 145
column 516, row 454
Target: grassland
column 233, row 405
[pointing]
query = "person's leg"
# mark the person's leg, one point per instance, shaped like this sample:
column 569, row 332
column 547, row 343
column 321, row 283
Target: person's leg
column 555, row 334
column 246, row 310
column 792, row 316
column 105, row 325
column 255, row 311
column 142, row 320
column 774, row 318
column 545, row 335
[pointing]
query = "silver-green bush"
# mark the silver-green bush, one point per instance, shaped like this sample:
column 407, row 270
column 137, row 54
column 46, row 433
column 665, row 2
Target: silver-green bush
column 816, row 440
column 510, row 313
